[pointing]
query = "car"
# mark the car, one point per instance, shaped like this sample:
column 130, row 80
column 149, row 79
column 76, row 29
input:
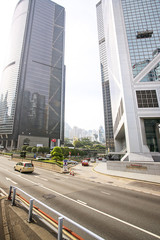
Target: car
column 93, row 160
column 85, row 163
column 72, row 162
column 40, row 157
column 24, row 167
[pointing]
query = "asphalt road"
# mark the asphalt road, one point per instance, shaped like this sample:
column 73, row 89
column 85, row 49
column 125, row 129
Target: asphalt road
column 111, row 212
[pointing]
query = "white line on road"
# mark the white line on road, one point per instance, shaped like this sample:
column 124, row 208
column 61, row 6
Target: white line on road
column 79, row 201
column 4, row 193
column 98, row 211
column 41, row 178
column 105, row 193
column 8, row 179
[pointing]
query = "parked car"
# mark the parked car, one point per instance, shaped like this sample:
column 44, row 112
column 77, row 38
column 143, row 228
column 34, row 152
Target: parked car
column 24, row 167
column 85, row 163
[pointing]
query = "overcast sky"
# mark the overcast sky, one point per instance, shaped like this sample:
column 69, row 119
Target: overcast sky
column 84, row 106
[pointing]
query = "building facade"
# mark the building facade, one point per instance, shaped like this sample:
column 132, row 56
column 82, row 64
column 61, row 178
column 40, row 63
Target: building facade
column 105, row 81
column 132, row 41
column 33, row 80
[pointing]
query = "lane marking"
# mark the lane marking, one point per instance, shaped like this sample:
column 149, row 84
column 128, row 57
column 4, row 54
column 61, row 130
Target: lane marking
column 105, row 193
column 8, row 179
column 41, row 178
column 105, row 214
column 98, row 211
column 79, row 201
column 4, row 193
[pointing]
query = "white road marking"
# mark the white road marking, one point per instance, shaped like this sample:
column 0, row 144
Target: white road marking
column 8, row 179
column 40, row 184
column 4, row 193
column 105, row 193
column 41, row 178
column 98, row 211
column 79, row 201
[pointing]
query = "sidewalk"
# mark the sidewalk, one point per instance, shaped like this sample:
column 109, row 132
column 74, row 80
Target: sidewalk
column 102, row 168
column 14, row 224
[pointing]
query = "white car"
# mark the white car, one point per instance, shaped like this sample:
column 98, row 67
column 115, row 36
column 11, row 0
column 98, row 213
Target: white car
column 39, row 157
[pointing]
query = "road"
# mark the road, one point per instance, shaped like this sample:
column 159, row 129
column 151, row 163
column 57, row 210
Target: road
column 112, row 212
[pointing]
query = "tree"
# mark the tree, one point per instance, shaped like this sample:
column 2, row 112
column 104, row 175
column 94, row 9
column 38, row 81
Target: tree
column 87, row 142
column 68, row 143
column 23, row 148
column 46, row 149
column 65, row 151
column 99, row 146
column 34, row 149
column 40, row 149
column 57, row 154
column 77, row 144
column 29, row 149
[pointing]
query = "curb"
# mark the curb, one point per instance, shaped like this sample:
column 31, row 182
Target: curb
column 4, row 220
column 135, row 179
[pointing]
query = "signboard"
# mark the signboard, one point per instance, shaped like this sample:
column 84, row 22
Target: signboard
column 39, row 145
column 65, row 162
column 65, row 168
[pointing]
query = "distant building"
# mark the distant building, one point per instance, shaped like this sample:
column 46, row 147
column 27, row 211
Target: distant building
column 131, row 35
column 33, row 84
column 101, row 135
column 79, row 133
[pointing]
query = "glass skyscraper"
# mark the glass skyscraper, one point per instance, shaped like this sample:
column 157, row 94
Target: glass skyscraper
column 105, row 81
column 132, row 42
column 33, row 82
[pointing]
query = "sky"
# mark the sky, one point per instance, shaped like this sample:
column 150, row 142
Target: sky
column 83, row 95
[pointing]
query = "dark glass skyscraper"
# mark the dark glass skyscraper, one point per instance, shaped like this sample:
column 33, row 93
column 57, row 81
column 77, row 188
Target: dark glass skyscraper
column 33, row 82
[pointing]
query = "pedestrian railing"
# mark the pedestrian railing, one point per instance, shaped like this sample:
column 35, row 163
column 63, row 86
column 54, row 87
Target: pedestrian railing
column 60, row 218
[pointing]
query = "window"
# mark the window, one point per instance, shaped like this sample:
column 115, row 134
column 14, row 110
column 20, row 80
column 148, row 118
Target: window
column 147, row 99
column 144, row 34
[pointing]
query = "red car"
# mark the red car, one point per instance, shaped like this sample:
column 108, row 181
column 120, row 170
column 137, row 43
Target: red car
column 85, row 163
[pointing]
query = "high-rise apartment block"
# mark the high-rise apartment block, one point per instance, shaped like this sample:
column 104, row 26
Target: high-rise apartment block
column 33, row 80
column 131, row 39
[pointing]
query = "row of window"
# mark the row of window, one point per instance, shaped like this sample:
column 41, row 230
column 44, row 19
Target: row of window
column 147, row 98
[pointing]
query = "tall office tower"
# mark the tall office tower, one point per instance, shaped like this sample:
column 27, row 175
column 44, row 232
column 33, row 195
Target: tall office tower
column 33, row 81
column 105, row 81
column 132, row 40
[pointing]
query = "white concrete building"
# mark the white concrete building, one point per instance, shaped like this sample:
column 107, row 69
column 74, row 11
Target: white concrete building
column 132, row 40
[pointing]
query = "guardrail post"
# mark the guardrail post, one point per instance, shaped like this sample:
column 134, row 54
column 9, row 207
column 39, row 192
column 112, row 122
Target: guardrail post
column 30, row 210
column 14, row 196
column 60, row 226
column 10, row 192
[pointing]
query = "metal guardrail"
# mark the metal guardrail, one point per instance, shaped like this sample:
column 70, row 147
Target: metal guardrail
column 60, row 218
